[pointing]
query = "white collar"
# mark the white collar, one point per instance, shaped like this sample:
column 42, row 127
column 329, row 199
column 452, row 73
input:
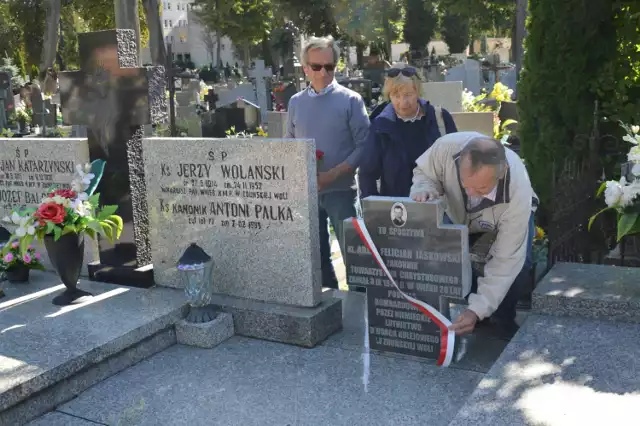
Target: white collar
column 312, row 92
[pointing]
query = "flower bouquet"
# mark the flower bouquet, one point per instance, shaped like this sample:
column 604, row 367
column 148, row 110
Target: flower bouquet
column 622, row 195
column 62, row 219
column 17, row 265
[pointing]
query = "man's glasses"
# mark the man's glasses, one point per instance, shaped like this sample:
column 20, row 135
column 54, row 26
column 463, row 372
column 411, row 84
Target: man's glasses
column 407, row 72
column 318, row 67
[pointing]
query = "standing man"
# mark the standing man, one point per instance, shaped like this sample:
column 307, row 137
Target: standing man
column 337, row 119
column 487, row 188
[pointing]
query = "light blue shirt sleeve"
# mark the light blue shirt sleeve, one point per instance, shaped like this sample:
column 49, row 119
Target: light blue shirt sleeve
column 290, row 132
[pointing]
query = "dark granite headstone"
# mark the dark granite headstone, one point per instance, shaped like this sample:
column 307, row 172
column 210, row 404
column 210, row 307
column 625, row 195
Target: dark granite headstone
column 363, row 86
column 216, row 123
column 429, row 261
column 51, row 113
column 5, row 84
column 114, row 99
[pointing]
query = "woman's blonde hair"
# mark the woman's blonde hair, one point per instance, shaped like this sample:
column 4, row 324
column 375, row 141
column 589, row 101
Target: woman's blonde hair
column 392, row 85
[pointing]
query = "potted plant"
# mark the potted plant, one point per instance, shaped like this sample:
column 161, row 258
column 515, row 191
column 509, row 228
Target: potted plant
column 62, row 220
column 16, row 265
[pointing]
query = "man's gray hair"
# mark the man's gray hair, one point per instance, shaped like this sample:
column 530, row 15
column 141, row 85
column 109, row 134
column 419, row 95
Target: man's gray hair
column 485, row 151
column 320, row 43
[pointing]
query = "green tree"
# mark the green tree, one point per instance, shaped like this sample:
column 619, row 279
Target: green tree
column 101, row 15
column 455, row 32
column 313, row 17
column 29, row 16
column 250, row 22
column 420, row 23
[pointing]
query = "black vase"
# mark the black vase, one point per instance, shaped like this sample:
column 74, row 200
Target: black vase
column 18, row 273
column 67, row 255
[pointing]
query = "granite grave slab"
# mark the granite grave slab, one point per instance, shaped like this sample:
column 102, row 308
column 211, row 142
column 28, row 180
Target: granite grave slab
column 251, row 204
column 428, row 259
column 560, row 371
column 283, row 385
column 592, row 291
column 31, row 166
column 42, row 345
column 276, row 124
column 481, row 122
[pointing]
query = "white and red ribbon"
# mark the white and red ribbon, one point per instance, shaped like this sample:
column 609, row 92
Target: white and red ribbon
column 447, row 337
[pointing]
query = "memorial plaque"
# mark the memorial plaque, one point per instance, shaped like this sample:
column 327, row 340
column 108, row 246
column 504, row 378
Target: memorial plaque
column 428, row 260
column 251, row 204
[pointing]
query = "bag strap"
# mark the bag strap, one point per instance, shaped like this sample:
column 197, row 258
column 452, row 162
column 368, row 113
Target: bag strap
column 440, row 120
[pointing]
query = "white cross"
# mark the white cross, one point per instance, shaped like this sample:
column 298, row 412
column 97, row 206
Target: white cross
column 259, row 73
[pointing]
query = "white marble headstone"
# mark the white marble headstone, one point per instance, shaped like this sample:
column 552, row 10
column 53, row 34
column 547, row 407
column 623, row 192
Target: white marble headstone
column 251, row 204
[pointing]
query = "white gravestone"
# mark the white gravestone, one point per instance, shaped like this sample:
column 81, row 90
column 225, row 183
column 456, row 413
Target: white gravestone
column 481, row 122
column 259, row 73
column 447, row 95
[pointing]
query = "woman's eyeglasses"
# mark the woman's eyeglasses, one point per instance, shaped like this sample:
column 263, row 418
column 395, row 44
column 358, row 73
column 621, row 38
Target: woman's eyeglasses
column 407, row 72
column 318, row 67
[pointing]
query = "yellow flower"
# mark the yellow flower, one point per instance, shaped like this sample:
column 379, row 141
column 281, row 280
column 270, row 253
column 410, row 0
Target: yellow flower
column 539, row 235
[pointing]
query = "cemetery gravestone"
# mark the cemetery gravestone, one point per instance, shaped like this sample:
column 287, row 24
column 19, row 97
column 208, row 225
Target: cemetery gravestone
column 3, row 114
column 429, row 261
column 5, row 84
column 229, row 96
column 447, row 95
column 37, row 107
column 115, row 99
column 481, row 122
column 473, row 76
column 276, row 124
column 51, row 113
column 259, row 73
column 362, row 86
column 31, row 166
column 251, row 204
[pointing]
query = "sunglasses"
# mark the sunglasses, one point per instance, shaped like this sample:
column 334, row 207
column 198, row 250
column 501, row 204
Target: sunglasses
column 318, row 67
column 407, row 72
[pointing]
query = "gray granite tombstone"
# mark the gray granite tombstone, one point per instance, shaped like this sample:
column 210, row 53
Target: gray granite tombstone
column 115, row 99
column 259, row 73
column 3, row 114
column 5, row 84
column 51, row 113
column 429, row 261
column 29, row 167
column 252, row 205
column 37, row 107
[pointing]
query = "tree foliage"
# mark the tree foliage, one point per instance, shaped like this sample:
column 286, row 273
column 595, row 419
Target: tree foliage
column 420, row 23
column 569, row 44
column 455, row 32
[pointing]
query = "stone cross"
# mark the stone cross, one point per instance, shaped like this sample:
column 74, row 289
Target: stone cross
column 259, row 73
column 115, row 99
column 429, row 261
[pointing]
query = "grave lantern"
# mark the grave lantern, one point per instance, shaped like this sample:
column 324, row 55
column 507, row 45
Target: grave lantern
column 196, row 272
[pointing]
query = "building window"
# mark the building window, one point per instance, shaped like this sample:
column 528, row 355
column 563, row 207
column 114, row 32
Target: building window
column 165, row 23
column 170, row 23
column 168, row 6
column 187, row 57
column 179, row 57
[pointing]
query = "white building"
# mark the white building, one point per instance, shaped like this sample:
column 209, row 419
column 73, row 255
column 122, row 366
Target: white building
column 189, row 40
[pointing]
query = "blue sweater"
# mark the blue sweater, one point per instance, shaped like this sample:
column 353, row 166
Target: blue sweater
column 394, row 146
column 338, row 122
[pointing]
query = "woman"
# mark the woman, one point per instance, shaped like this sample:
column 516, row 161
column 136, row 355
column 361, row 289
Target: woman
column 404, row 129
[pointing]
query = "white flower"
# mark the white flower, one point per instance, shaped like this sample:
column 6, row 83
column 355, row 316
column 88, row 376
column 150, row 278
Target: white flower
column 6, row 219
column 83, row 196
column 634, row 154
column 81, row 207
column 24, row 227
column 635, row 170
column 635, row 129
column 613, row 193
column 629, row 193
column 631, row 139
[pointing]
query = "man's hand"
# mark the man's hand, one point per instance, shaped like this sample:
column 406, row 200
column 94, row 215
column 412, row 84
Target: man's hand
column 465, row 323
column 326, row 178
column 422, row 197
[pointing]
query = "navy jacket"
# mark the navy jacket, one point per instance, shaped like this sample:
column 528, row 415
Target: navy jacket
column 394, row 146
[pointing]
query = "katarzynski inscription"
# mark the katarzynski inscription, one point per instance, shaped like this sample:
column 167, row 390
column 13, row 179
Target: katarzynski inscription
column 250, row 203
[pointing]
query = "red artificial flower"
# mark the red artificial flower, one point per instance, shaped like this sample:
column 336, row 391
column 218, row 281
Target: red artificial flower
column 319, row 155
column 64, row 193
column 51, row 212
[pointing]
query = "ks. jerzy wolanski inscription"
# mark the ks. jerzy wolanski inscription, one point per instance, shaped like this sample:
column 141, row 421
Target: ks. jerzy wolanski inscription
column 428, row 260
column 250, row 203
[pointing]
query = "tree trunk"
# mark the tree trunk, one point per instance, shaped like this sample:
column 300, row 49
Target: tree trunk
column 218, row 49
column 50, row 42
column 388, row 32
column 246, row 54
column 156, row 38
